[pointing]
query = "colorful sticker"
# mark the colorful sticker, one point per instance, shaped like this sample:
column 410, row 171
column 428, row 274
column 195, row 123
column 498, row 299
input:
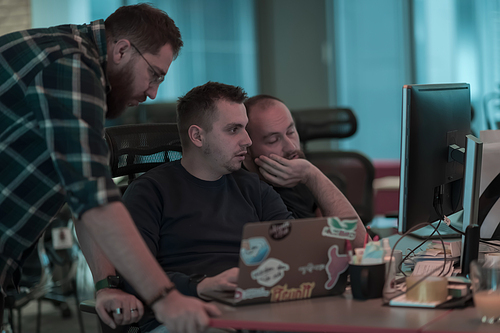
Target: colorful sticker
column 310, row 267
column 337, row 228
column 282, row 293
column 242, row 294
column 336, row 265
column 270, row 272
column 254, row 250
column 279, row 231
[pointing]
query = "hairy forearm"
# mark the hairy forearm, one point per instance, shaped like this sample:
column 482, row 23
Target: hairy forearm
column 332, row 202
column 112, row 228
column 99, row 264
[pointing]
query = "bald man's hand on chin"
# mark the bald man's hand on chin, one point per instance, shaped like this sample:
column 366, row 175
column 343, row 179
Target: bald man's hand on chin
column 283, row 172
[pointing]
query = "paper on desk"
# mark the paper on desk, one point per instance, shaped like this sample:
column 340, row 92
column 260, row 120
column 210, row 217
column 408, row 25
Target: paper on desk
column 485, row 248
column 432, row 268
column 434, row 256
column 452, row 248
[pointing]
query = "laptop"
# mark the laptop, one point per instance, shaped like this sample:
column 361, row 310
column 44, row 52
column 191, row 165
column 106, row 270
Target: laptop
column 290, row 260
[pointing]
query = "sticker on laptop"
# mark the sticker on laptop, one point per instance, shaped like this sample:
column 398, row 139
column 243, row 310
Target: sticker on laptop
column 270, row 272
column 337, row 228
column 254, row 250
column 279, row 231
column 243, row 294
column 283, row 293
column 310, row 267
column 336, row 265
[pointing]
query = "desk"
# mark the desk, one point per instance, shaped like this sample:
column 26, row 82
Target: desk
column 327, row 314
column 460, row 320
column 343, row 314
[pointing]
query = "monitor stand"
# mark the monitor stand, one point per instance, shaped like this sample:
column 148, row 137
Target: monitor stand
column 466, row 219
column 445, row 231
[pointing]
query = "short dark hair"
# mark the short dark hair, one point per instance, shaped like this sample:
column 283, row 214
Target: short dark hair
column 198, row 106
column 146, row 27
column 264, row 100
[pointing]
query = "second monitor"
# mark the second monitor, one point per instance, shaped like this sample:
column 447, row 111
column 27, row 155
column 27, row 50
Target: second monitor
column 436, row 120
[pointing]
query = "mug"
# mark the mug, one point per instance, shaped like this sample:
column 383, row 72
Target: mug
column 367, row 281
column 485, row 276
column 398, row 258
column 492, row 259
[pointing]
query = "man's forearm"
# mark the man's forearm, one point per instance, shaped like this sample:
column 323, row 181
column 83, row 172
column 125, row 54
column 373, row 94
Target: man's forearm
column 113, row 230
column 99, row 264
column 332, row 202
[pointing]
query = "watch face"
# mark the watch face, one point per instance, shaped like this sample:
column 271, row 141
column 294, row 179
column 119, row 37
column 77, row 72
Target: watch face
column 113, row 281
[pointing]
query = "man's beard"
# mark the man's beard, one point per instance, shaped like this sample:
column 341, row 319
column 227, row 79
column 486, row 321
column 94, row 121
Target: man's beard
column 121, row 91
column 299, row 153
column 230, row 168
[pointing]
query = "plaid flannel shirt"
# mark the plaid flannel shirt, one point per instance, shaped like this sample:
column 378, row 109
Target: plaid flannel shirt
column 52, row 148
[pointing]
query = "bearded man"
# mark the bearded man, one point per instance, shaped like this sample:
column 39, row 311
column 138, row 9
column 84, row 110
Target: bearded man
column 276, row 157
column 57, row 86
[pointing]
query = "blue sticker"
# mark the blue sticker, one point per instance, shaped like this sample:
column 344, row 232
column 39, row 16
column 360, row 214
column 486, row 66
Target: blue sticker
column 254, row 250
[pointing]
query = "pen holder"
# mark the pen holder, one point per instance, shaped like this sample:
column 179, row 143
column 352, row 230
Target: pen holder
column 367, row 281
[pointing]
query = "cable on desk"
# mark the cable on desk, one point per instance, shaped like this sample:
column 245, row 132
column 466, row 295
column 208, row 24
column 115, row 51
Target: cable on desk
column 441, row 214
column 386, row 300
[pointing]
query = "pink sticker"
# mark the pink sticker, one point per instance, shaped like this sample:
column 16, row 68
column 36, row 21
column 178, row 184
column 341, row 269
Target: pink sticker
column 336, row 265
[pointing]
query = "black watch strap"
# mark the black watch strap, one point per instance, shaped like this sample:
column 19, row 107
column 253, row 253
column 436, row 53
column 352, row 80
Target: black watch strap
column 196, row 278
column 112, row 281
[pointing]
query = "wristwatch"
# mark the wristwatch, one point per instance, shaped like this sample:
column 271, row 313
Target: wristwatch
column 196, row 278
column 112, row 281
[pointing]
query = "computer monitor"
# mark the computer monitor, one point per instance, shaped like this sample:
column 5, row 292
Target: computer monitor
column 436, row 119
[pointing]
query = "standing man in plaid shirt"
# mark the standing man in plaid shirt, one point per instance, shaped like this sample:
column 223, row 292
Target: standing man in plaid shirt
column 57, row 86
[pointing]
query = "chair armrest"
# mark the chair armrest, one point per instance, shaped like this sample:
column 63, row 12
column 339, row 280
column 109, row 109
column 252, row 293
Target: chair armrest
column 88, row 306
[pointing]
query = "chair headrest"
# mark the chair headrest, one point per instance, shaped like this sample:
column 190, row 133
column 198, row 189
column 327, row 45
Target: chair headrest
column 325, row 123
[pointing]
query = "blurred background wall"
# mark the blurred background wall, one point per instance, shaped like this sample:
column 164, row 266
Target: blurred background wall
column 354, row 53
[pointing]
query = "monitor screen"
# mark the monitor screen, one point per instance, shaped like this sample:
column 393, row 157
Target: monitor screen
column 435, row 117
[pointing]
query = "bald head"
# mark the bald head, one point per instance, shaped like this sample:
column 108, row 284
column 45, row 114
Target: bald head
column 272, row 130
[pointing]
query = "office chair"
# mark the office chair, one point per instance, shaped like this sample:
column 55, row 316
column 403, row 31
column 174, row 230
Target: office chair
column 135, row 149
column 63, row 264
column 36, row 282
column 352, row 172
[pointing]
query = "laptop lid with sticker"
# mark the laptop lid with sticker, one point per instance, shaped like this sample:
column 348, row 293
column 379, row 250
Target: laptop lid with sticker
column 293, row 259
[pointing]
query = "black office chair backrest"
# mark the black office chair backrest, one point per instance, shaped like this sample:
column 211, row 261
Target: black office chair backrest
column 135, row 149
column 352, row 172
column 325, row 123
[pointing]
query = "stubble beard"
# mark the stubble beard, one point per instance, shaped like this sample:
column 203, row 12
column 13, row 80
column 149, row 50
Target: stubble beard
column 228, row 166
column 298, row 152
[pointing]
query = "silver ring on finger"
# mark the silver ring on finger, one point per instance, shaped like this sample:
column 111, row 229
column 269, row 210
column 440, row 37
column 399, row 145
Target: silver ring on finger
column 118, row 311
column 135, row 309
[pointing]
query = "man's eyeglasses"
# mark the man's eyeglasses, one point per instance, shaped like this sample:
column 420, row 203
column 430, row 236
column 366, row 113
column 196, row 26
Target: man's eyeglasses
column 157, row 78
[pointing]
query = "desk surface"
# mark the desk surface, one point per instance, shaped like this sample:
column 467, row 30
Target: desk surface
column 327, row 314
column 461, row 320
column 343, row 314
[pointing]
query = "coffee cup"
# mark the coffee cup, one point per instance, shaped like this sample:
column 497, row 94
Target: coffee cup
column 367, row 281
column 492, row 259
column 486, row 290
column 398, row 258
